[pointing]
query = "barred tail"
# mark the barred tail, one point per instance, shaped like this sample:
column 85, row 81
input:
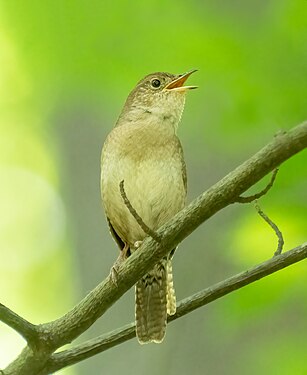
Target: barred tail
column 151, row 301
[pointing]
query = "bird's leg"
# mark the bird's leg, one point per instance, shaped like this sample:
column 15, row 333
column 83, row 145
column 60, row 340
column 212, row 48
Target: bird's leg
column 124, row 253
column 121, row 258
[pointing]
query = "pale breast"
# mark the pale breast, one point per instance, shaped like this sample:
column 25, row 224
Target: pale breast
column 152, row 171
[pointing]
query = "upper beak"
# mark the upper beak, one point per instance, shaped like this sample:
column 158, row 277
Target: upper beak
column 177, row 84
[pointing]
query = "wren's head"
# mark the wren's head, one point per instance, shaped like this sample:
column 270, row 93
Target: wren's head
column 159, row 97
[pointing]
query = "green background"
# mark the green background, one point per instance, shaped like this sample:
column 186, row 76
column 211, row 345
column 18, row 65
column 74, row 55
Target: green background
column 66, row 68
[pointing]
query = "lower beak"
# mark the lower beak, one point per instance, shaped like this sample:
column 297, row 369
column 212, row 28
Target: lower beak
column 177, row 84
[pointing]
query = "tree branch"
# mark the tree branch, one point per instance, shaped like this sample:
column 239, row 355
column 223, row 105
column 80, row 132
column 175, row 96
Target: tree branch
column 252, row 198
column 137, row 217
column 185, row 306
column 26, row 329
column 94, row 305
column 275, row 229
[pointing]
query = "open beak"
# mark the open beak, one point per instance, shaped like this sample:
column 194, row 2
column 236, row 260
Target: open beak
column 177, row 84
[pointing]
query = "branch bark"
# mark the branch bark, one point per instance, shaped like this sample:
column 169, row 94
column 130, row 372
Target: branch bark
column 26, row 329
column 55, row 334
column 109, row 340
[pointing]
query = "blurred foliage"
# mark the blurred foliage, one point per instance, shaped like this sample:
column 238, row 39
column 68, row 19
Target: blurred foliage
column 66, row 68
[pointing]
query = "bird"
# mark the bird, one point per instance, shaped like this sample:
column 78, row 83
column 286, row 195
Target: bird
column 144, row 151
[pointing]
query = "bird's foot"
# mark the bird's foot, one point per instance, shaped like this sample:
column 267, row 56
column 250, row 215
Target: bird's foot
column 114, row 269
column 114, row 274
column 137, row 244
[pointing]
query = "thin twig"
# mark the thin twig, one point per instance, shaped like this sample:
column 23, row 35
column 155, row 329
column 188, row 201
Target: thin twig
column 26, row 329
column 274, row 227
column 251, row 198
column 185, row 306
column 137, row 217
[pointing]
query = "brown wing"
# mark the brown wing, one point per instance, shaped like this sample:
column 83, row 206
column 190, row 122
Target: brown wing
column 118, row 240
column 184, row 179
column 183, row 165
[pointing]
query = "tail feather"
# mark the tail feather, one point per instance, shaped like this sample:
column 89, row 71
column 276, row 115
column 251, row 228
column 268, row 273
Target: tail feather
column 151, row 304
column 171, row 296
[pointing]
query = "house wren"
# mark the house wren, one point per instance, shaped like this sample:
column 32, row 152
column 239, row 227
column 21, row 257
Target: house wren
column 144, row 151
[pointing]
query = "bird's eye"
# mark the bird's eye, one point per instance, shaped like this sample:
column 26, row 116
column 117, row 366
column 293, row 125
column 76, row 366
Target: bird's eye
column 155, row 83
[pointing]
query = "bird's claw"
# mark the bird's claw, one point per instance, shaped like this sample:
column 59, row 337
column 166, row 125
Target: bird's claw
column 137, row 244
column 114, row 274
column 114, row 269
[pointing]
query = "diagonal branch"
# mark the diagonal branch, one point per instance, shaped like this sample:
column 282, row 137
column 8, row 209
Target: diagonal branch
column 185, row 306
column 201, row 209
column 95, row 304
